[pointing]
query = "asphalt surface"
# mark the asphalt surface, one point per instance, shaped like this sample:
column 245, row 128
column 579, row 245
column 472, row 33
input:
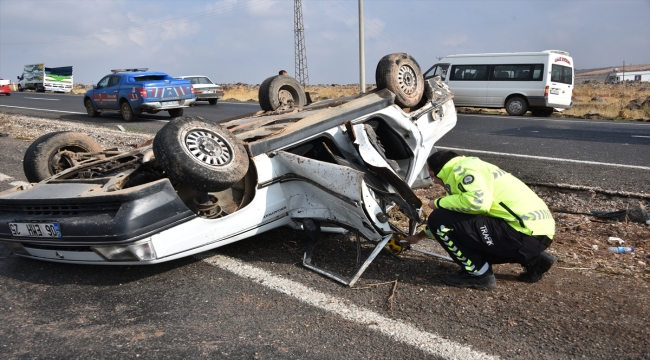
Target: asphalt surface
column 201, row 308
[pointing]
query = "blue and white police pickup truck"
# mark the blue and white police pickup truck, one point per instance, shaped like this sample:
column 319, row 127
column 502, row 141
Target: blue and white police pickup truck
column 134, row 91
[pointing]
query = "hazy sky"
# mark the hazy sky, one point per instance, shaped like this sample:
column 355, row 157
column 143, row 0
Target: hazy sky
column 249, row 40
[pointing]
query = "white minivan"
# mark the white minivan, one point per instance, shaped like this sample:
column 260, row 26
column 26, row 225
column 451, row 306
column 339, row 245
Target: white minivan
column 535, row 81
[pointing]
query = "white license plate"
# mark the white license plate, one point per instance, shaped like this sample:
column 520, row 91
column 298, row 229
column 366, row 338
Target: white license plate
column 169, row 102
column 555, row 91
column 31, row 229
column 208, row 91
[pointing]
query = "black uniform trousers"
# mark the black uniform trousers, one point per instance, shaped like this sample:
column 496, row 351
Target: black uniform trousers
column 477, row 241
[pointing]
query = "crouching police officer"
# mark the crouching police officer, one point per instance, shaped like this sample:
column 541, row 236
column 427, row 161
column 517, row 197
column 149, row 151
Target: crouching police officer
column 487, row 217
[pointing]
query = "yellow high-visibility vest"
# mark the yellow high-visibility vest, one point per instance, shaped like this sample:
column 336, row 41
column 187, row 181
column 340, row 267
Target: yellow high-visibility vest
column 477, row 187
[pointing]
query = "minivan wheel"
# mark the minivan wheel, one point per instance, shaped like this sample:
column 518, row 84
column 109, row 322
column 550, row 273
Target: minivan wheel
column 544, row 112
column 203, row 156
column 516, row 106
column 50, row 154
column 401, row 74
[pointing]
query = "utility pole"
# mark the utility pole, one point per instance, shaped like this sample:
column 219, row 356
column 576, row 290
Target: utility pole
column 299, row 41
column 362, row 55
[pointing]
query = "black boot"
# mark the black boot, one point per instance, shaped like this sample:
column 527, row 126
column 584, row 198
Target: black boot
column 536, row 269
column 466, row 280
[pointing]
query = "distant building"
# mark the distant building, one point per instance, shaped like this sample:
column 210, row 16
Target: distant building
column 620, row 76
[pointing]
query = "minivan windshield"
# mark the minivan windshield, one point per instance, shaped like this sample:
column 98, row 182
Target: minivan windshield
column 562, row 74
column 437, row 70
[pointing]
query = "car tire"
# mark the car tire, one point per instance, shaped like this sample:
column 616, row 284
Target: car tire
column 20, row 88
column 543, row 112
column 175, row 112
column 43, row 157
column 212, row 101
column 203, row 156
column 516, row 106
column 90, row 108
column 8, row 94
column 401, row 74
column 127, row 112
column 279, row 90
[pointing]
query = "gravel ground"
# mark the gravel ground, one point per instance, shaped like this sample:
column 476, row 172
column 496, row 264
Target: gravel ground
column 592, row 304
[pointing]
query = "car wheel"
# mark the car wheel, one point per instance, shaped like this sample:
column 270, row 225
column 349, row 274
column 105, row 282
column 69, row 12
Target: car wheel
column 516, row 106
column 212, row 101
column 175, row 112
column 20, row 88
column 281, row 91
column 127, row 112
column 544, row 112
column 401, row 74
column 46, row 156
column 8, row 94
column 202, row 156
column 90, row 108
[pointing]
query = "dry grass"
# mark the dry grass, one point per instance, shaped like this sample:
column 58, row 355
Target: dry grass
column 609, row 101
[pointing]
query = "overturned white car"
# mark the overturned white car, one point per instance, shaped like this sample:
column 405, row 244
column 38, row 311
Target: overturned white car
column 333, row 165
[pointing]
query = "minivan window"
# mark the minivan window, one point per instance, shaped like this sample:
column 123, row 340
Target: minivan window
column 562, row 74
column 517, row 72
column 437, row 70
column 469, row 72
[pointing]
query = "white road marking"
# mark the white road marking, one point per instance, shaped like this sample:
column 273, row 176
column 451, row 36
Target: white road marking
column 546, row 158
column 525, row 118
column 398, row 330
column 20, row 107
column 641, row 136
column 42, row 99
column 4, row 177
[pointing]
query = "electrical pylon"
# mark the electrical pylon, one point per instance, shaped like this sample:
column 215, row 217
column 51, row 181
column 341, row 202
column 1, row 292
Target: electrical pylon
column 299, row 40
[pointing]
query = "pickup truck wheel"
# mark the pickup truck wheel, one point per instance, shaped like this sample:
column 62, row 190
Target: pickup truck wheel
column 20, row 88
column 200, row 155
column 49, row 154
column 516, row 106
column 175, row 112
column 90, row 108
column 212, row 101
column 281, row 91
column 127, row 112
column 401, row 74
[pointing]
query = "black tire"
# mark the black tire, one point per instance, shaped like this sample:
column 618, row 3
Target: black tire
column 175, row 112
column 516, row 106
column 90, row 108
column 8, row 94
column 279, row 90
column 401, row 74
column 543, row 112
column 202, row 156
column 127, row 112
column 43, row 157
column 20, row 88
column 212, row 101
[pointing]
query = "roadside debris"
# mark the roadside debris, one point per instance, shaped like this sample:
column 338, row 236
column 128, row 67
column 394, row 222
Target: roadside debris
column 621, row 249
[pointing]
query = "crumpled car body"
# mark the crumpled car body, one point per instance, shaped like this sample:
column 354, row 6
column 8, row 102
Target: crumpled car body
column 339, row 164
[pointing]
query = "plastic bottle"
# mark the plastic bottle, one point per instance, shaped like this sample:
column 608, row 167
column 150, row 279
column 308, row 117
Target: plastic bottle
column 621, row 249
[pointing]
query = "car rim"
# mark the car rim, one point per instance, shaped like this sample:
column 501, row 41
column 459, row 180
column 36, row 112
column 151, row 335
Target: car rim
column 208, row 147
column 515, row 106
column 125, row 112
column 407, row 79
column 89, row 108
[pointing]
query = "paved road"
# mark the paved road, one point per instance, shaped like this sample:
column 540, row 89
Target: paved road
column 252, row 299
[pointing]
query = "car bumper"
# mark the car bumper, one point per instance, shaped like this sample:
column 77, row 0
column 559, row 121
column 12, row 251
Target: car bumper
column 208, row 96
column 167, row 105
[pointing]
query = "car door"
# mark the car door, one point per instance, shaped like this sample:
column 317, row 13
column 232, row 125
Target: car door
column 110, row 93
column 100, row 92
